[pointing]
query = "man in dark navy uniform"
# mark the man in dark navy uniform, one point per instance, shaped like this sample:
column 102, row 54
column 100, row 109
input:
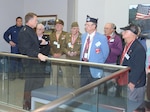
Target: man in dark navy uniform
column 11, row 37
column 28, row 44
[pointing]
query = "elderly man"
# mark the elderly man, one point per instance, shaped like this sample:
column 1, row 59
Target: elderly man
column 72, row 50
column 114, row 42
column 134, row 56
column 95, row 49
column 115, row 49
column 44, row 39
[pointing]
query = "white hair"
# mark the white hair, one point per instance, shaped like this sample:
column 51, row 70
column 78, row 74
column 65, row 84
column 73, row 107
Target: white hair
column 40, row 25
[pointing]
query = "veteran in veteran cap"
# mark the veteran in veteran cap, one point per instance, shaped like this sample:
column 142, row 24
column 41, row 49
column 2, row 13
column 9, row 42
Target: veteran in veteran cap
column 57, row 39
column 91, row 24
column 72, row 51
column 94, row 48
column 73, row 42
column 133, row 56
column 90, row 19
column 132, row 28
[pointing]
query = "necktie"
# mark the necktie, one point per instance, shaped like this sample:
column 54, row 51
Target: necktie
column 108, row 37
column 85, row 53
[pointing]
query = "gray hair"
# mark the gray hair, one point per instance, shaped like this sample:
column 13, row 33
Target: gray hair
column 40, row 25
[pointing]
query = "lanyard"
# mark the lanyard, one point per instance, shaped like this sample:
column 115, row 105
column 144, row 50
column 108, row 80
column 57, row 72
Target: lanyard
column 126, row 48
column 73, row 39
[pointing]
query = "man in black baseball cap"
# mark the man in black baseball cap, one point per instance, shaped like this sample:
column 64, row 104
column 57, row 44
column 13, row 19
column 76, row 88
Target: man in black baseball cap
column 133, row 56
column 132, row 27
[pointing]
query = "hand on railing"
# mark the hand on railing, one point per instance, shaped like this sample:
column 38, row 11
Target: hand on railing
column 42, row 57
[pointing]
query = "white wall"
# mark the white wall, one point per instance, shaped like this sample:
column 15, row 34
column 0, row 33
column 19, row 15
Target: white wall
column 9, row 10
column 115, row 11
column 48, row 7
column 71, row 13
column 93, row 8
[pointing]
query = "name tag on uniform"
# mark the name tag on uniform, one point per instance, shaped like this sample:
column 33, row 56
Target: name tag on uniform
column 58, row 45
column 98, row 44
column 86, row 55
column 127, row 56
column 69, row 44
column 111, row 40
column 55, row 43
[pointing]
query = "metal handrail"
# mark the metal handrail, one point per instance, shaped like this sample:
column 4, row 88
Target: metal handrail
column 101, row 65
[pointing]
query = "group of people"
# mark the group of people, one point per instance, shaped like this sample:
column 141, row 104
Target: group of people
column 90, row 46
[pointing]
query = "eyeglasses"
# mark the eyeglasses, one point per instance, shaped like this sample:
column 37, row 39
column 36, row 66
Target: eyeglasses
column 89, row 25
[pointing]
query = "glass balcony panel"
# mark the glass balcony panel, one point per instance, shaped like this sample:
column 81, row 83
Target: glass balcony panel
column 60, row 77
column 108, row 96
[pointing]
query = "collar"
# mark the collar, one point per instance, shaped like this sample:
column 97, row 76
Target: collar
column 91, row 35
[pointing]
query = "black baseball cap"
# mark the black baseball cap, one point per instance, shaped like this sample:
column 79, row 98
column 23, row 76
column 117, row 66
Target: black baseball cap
column 132, row 27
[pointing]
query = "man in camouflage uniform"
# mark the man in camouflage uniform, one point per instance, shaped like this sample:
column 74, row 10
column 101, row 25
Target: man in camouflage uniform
column 57, row 40
column 72, row 51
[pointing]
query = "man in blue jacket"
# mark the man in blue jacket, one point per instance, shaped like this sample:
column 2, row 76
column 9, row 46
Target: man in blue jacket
column 11, row 37
column 94, row 49
column 134, row 56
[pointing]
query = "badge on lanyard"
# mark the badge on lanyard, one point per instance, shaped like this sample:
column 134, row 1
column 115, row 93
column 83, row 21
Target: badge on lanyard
column 55, row 43
column 111, row 40
column 98, row 44
column 127, row 56
column 58, row 45
column 69, row 44
column 86, row 55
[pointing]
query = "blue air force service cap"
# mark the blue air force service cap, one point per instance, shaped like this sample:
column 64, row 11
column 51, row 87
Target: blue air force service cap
column 90, row 19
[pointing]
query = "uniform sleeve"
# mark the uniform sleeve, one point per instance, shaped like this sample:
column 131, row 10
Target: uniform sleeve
column 79, row 42
column 105, row 48
column 65, row 44
column 51, row 45
column 7, row 34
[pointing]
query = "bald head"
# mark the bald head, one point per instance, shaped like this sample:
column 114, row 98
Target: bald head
column 109, row 28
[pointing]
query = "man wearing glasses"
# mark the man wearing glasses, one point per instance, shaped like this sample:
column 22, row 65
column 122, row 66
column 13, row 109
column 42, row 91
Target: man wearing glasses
column 94, row 49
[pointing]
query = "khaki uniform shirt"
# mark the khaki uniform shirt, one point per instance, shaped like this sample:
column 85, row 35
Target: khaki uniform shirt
column 72, row 45
column 57, row 46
